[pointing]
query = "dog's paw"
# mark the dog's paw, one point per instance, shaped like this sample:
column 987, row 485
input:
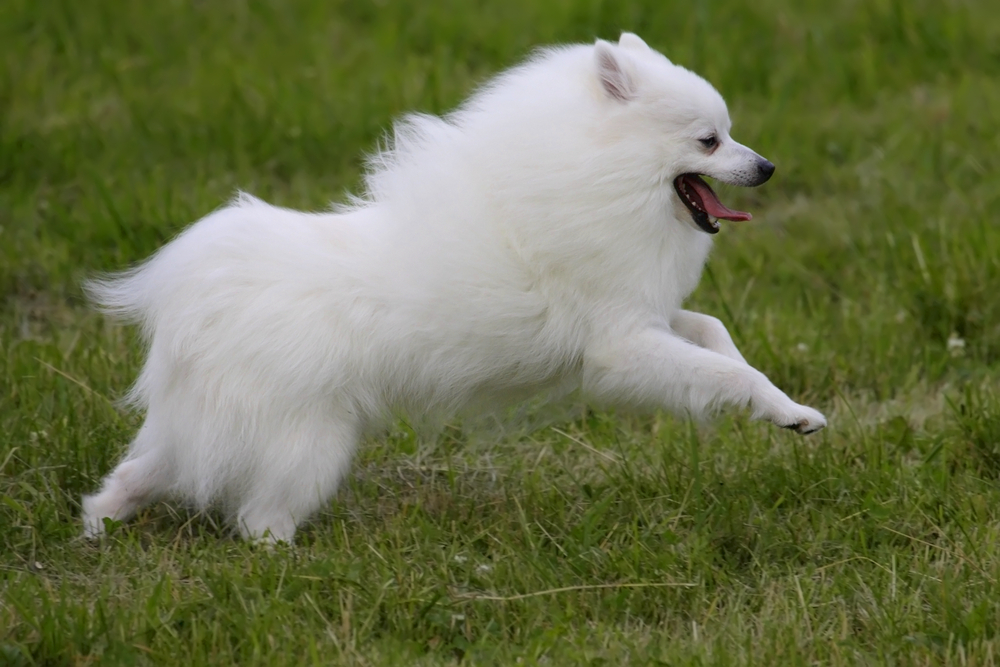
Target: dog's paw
column 773, row 405
column 804, row 421
column 93, row 522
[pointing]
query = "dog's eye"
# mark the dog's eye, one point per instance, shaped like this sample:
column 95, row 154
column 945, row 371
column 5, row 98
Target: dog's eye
column 709, row 142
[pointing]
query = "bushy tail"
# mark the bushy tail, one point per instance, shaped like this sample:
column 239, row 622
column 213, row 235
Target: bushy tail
column 125, row 296
column 136, row 295
column 129, row 297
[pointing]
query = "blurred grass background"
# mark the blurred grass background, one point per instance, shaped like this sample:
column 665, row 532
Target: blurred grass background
column 867, row 286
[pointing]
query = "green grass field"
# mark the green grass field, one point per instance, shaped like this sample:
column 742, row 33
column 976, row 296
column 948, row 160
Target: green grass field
column 868, row 285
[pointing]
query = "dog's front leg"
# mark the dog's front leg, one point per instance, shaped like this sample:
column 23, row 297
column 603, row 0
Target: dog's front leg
column 707, row 332
column 654, row 367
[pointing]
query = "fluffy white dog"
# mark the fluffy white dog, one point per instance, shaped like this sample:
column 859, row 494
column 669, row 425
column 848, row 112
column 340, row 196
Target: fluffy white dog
column 544, row 234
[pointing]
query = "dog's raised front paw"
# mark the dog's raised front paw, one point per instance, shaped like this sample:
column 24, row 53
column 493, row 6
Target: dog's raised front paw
column 805, row 422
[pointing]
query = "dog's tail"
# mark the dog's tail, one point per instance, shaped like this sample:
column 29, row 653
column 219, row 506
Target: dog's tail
column 136, row 295
column 119, row 295
column 129, row 296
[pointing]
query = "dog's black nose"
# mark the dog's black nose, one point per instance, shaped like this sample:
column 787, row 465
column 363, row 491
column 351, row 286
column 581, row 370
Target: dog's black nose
column 765, row 168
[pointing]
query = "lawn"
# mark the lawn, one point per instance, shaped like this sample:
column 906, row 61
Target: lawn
column 868, row 286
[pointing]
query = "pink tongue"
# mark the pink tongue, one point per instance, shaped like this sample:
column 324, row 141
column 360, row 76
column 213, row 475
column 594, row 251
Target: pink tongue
column 712, row 203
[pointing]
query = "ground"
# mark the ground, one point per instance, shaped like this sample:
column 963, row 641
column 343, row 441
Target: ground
column 867, row 286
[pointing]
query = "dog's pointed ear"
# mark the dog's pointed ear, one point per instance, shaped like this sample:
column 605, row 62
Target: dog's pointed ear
column 613, row 72
column 630, row 40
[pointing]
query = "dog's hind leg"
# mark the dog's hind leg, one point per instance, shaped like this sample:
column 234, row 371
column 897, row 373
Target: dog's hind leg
column 297, row 477
column 145, row 475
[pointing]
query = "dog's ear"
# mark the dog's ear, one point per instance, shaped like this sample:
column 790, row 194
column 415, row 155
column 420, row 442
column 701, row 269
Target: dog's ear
column 613, row 72
column 630, row 40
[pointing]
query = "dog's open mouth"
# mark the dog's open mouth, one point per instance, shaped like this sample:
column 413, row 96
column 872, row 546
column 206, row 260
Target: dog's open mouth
column 705, row 207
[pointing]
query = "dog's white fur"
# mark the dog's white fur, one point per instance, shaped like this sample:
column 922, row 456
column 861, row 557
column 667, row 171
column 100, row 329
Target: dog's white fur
column 530, row 239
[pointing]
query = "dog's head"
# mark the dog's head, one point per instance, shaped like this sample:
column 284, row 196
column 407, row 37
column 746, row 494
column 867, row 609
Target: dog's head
column 682, row 124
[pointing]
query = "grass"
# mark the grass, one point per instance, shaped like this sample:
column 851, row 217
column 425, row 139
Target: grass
column 866, row 286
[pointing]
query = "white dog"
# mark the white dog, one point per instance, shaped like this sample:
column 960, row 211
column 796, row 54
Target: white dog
column 546, row 233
